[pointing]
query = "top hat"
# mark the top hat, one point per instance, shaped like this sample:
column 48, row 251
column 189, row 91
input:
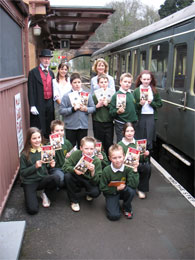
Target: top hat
column 45, row 53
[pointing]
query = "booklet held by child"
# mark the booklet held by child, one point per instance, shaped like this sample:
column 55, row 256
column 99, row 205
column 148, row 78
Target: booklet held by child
column 98, row 148
column 121, row 100
column 55, row 141
column 144, row 94
column 141, row 146
column 131, row 157
column 75, row 98
column 84, row 98
column 47, row 153
column 83, row 163
column 115, row 183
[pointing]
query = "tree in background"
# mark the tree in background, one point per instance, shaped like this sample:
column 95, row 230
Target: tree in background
column 172, row 6
column 129, row 16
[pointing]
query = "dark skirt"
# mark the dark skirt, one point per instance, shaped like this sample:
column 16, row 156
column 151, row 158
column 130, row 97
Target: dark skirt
column 145, row 129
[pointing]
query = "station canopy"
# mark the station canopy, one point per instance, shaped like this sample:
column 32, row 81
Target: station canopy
column 70, row 26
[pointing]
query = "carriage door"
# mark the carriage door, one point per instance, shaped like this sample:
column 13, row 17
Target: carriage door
column 177, row 93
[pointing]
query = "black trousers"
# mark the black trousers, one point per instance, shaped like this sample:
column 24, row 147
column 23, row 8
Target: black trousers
column 104, row 132
column 49, row 116
column 75, row 182
column 30, row 191
column 75, row 136
column 144, row 170
column 113, row 202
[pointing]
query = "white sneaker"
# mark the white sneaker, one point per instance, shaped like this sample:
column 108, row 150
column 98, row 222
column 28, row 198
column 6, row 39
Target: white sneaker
column 89, row 198
column 141, row 194
column 75, row 207
column 46, row 202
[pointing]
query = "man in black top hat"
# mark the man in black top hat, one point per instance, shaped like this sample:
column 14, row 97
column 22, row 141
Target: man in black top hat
column 40, row 94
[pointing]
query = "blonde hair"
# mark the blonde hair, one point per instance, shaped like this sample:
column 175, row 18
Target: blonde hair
column 87, row 139
column 94, row 68
column 115, row 147
column 124, row 75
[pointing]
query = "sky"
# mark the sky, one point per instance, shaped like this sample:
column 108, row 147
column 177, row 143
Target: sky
column 156, row 3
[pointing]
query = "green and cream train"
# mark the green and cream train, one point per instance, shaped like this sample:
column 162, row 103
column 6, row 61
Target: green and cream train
column 167, row 48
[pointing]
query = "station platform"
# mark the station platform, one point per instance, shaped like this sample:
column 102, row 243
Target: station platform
column 162, row 227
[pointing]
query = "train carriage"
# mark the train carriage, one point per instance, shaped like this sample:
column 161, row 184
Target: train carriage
column 167, row 48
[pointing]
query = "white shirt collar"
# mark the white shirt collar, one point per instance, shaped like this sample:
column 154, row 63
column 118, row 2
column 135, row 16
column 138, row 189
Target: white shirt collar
column 126, row 142
column 121, row 169
column 123, row 91
column 43, row 68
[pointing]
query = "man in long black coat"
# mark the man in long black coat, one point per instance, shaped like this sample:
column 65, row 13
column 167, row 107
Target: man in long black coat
column 40, row 94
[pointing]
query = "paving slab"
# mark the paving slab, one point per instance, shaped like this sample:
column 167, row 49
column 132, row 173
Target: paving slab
column 11, row 236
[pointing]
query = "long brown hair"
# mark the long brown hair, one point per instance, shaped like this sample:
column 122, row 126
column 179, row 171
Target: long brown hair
column 27, row 145
column 152, row 83
column 61, row 66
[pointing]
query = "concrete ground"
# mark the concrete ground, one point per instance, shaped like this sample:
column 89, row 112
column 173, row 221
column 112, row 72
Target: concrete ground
column 162, row 227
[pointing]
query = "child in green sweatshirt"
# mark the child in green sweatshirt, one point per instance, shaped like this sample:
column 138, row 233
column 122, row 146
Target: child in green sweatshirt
column 57, row 127
column 118, row 182
column 126, row 112
column 34, row 173
column 86, row 174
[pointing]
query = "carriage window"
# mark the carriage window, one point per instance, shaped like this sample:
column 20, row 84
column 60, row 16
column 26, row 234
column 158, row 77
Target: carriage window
column 123, row 67
column 143, row 60
column 179, row 67
column 111, row 65
column 10, row 47
column 158, row 64
column 129, row 61
column 134, row 67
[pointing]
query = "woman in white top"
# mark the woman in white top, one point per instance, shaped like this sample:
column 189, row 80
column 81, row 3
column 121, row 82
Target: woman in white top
column 61, row 85
column 100, row 66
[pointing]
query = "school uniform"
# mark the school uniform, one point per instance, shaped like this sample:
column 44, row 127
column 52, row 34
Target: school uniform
column 128, row 116
column 60, row 156
column 75, row 182
column 113, row 196
column 76, row 122
column 144, row 168
column 34, row 179
column 147, row 115
column 95, row 85
column 103, row 127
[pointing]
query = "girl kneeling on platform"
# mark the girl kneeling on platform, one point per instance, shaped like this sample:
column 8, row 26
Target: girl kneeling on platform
column 34, row 173
column 144, row 168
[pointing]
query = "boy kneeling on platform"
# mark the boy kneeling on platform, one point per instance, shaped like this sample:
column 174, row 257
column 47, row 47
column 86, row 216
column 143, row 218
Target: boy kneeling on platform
column 118, row 182
column 82, row 169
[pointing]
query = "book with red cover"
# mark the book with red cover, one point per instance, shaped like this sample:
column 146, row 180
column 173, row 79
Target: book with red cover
column 121, row 100
column 141, row 145
column 115, row 183
column 131, row 157
column 144, row 94
column 98, row 148
column 47, row 153
column 82, row 163
column 55, row 141
column 84, row 98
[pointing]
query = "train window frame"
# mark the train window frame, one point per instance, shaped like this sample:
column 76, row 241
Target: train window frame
column 161, row 62
column 142, row 54
column 192, row 80
column 122, row 63
column 128, row 62
column 175, row 66
column 135, row 62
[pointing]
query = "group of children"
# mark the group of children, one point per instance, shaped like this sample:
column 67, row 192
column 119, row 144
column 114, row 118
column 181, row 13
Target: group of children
column 104, row 172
